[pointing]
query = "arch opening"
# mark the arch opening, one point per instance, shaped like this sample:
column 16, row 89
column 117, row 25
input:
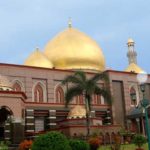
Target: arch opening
column 5, row 114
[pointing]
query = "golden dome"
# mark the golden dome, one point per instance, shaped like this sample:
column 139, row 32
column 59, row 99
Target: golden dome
column 134, row 68
column 77, row 112
column 5, row 84
column 72, row 49
column 38, row 59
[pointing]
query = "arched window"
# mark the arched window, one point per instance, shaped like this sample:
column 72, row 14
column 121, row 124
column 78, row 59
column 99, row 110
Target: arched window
column 38, row 93
column 59, row 95
column 133, row 96
column 113, row 135
column 79, row 99
column 16, row 86
column 96, row 99
column 107, row 138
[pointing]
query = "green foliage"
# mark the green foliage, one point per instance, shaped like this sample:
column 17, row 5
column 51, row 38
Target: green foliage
column 51, row 141
column 124, row 147
column 89, row 86
column 139, row 140
column 78, row 145
column 125, row 132
column 82, row 85
column 3, row 146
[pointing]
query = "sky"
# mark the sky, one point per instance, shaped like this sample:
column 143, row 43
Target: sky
column 27, row 24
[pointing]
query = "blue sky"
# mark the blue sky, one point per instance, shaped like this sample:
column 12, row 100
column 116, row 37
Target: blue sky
column 27, row 24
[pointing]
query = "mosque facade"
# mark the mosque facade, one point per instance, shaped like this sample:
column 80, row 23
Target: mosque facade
column 32, row 96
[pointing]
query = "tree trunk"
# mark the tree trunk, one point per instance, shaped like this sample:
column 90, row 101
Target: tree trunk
column 85, row 98
column 87, row 118
column 87, row 124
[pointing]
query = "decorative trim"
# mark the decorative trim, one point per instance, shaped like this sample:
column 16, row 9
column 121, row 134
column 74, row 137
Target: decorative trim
column 52, row 110
column 15, row 92
column 29, row 117
column 29, row 109
column 30, row 124
column 52, row 124
column 52, row 117
column 29, row 130
column 7, row 124
column 60, row 70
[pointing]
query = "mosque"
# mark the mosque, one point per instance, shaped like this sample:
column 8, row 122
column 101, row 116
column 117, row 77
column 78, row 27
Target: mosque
column 32, row 97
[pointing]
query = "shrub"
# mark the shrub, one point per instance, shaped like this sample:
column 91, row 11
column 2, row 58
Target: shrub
column 78, row 145
column 94, row 142
column 25, row 145
column 51, row 141
column 3, row 146
column 139, row 140
column 117, row 143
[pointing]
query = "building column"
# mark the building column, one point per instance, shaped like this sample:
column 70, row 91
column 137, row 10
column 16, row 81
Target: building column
column 143, row 126
column 52, row 119
column 29, row 121
column 129, row 124
column 7, row 131
column 108, row 117
column 138, row 124
column 17, row 130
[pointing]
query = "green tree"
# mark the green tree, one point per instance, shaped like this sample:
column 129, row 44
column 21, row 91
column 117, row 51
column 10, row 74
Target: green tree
column 82, row 85
column 51, row 141
column 139, row 140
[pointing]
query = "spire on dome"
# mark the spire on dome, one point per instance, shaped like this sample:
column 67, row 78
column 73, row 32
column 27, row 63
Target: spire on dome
column 37, row 48
column 130, row 42
column 70, row 22
column 131, row 52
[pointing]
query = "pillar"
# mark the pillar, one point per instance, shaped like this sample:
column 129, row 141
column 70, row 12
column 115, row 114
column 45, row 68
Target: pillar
column 52, row 119
column 29, row 123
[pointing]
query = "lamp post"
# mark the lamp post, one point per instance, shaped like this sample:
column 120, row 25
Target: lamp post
column 145, row 104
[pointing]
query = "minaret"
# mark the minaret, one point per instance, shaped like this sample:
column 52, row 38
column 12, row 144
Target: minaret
column 70, row 23
column 131, row 52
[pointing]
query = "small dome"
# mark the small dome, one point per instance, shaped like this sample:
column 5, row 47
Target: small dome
column 134, row 68
column 72, row 49
column 38, row 59
column 130, row 42
column 77, row 112
column 5, row 84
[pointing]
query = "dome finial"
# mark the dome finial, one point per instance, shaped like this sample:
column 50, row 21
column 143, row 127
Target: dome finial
column 70, row 22
column 130, row 41
column 37, row 48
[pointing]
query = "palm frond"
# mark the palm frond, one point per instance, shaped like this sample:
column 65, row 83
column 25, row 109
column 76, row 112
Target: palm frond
column 71, row 79
column 81, row 75
column 105, row 93
column 90, row 86
column 100, row 76
column 71, row 93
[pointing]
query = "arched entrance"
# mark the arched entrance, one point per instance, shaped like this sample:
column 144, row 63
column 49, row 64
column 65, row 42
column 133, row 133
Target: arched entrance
column 5, row 113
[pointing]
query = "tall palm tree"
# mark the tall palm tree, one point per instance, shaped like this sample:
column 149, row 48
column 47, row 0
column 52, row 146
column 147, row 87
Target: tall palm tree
column 81, row 85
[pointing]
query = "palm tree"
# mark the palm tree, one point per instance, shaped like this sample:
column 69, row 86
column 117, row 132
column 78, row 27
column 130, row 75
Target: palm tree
column 81, row 85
